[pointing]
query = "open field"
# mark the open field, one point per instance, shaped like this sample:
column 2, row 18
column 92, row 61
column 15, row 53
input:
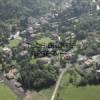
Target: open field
column 82, row 93
column 47, row 93
column 44, row 41
column 33, row 61
column 13, row 43
column 44, row 94
column 6, row 93
column 70, row 92
column 32, row 95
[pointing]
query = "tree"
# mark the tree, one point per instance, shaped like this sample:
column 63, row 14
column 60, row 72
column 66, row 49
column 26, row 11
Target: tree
column 24, row 23
column 37, row 76
column 81, row 35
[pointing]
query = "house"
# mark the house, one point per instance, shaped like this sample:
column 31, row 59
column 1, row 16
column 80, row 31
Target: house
column 36, row 26
column 81, row 59
column 24, row 46
column 98, row 70
column 17, row 34
column 68, row 56
column 14, row 71
column 93, row 1
column 96, row 59
column 89, row 62
column 23, row 53
column 9, row 76
column 98, row 7
column 44, row 60
column 73, row 35
column 7, row 51
column 33, row 36
column 30, row 30
column 43, row 20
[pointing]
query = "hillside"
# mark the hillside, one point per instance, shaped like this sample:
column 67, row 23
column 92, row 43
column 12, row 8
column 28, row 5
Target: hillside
column 15, row 9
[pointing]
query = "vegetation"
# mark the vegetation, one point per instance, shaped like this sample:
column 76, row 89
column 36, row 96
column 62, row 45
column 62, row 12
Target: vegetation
column 53, row 34
column 38, row 77
column 47, row 93
column 81, row 93
column 44, row 41
column 14, row 43
column 69, row 89
column 6, row 93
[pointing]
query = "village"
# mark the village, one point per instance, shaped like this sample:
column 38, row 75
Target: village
column 34, row 57
column 46, row 51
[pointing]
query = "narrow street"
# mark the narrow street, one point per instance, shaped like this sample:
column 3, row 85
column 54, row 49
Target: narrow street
column 59, row 81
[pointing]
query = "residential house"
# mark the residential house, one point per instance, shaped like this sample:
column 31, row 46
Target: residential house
column 89, row 62
column 96, row 58
column 81, row 59
column 44, row 60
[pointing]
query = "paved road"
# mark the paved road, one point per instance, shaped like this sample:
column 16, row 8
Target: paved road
column 59, row 81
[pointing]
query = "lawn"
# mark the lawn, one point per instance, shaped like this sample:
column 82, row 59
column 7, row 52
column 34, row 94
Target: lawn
column 6, row 93
column 14, row 43
column 33, row 61
column 44, row 41
column 47, row 93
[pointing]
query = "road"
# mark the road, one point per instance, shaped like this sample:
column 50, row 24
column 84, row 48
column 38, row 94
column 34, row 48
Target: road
column 59, row 81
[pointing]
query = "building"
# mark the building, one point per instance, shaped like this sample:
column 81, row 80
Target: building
column 7, row 51
column 24, row 53
column 81, row 59
column 96, row 59
column 44, row 60
column 68, row 56
column 89, row 62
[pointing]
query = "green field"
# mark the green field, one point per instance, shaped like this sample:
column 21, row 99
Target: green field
column 70, row 92
column 13, row 43
column 82, row 93
column 33, row 61
column 47, row 93
column 6, row 93
column 44, row 41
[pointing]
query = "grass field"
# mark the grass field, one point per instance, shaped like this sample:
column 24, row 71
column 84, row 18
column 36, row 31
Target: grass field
column 69, row 92
column 6, row 93
column 33, row 95
column 44, row 94
column 82, row 93
column 44, row 41
column 47, row 93
column 13, row 43
column 33, row 61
